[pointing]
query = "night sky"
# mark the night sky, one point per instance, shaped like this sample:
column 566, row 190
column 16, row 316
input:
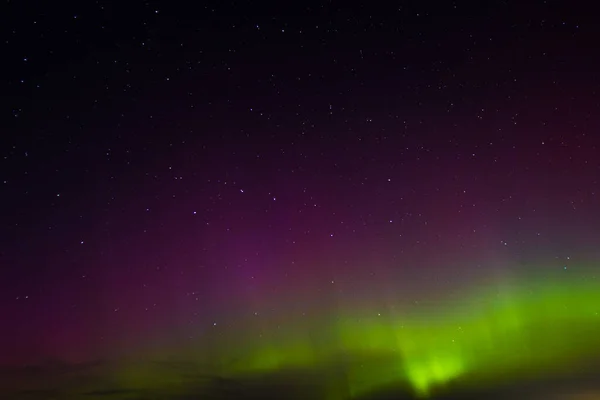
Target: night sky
column 244, row 190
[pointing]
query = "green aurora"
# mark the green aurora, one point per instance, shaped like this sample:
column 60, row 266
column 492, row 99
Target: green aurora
column 537, row 329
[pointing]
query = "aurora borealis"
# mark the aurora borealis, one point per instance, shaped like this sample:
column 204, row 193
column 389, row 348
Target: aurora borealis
column 515, row 334
column 512, row 333
column 299, row 201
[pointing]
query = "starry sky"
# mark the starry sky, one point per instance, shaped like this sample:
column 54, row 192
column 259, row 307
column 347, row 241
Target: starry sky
column 231, row 189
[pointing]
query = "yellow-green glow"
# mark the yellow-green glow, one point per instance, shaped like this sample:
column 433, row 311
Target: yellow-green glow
column 531, row 330
column 433, row 370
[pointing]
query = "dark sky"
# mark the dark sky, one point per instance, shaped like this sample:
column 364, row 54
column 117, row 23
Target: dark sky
column 170, row 171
